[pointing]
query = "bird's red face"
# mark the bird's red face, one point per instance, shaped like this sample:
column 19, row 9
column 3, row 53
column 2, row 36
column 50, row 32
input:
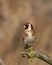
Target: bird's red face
column 28, row 26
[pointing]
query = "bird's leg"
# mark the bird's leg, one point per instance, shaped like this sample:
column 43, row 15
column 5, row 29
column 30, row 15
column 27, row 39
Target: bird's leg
column 27, row 49
column 27, row 46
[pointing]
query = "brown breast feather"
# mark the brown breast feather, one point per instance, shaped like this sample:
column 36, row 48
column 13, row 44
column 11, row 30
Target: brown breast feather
column 26, row 35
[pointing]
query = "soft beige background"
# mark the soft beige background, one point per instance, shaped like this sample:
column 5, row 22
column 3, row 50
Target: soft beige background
column 13, row 14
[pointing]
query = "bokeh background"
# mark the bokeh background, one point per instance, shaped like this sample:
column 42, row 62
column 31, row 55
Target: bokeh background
column 13, row 14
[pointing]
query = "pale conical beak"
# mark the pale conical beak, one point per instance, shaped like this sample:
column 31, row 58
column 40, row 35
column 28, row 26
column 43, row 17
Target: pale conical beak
column 24, row 26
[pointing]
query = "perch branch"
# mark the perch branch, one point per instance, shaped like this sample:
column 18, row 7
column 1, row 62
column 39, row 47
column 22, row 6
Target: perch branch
column 38, row 54
column 43, row 57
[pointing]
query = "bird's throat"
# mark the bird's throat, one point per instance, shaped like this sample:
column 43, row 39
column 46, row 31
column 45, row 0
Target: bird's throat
column 29, row 34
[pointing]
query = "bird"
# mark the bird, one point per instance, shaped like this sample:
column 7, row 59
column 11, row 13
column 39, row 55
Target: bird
column 29, row 35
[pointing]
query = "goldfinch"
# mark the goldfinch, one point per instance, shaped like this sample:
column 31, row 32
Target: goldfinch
column 28, row 35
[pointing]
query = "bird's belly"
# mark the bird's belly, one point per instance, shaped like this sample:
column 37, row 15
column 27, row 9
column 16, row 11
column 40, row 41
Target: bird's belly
column 29, row 40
